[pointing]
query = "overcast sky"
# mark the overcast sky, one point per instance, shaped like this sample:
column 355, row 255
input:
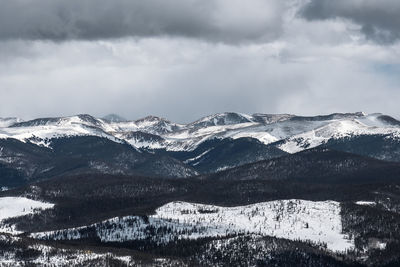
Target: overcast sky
column 182, row 59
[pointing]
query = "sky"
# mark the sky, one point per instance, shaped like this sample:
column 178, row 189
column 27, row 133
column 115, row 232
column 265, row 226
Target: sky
column 183, row 59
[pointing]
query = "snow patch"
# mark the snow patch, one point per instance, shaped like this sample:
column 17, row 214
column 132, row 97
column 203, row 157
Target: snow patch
column 18, row 206
column 198, row 157
column 366, row 203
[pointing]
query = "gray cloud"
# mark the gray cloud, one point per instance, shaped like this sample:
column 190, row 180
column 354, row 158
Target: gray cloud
column 183, row 79
column 213, row 20
column 183, row 59
column 379, row 20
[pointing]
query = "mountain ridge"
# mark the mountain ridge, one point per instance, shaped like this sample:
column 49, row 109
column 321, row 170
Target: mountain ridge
column 210, row 144
column 267, row 128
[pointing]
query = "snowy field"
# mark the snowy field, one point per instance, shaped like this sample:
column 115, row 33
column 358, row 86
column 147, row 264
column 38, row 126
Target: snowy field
column 319, row 222
column 18, row 206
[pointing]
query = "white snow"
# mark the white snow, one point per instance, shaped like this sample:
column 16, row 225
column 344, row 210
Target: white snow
column 381, row 245
column 199, row 156
column 366, row 203
column 263, row 137
column 291, row 219
column 18, row 206
column 294, row 219
column 145, row 144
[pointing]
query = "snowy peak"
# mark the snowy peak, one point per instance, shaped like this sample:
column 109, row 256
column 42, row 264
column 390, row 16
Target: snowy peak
column 227, row 118
column 152, row 121
column 59, row 121
column 289, row 132
column 89, row 120
column 143, row 140
column 156, row 125
column 41, row 131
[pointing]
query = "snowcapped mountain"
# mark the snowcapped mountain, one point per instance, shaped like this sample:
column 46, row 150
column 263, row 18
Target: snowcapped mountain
column 210, row 144
column 219, row 119
column 374, row 124
column 295, row 133
column 255, row 190
column 149, row 124
column 41, row 131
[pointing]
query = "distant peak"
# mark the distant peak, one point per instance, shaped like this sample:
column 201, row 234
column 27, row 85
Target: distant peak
column 225, row 118
column 89, row 119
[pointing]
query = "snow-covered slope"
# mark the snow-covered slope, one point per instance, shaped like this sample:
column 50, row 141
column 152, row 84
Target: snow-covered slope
column 293, row 133
column 18, row 206
column 40, row 131
column 149, row 124
column 228, row 118
column 338, row 128
column 319, row 222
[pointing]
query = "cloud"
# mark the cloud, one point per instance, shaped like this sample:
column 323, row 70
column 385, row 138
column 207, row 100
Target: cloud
column 182, row 62
column 379, row 20
column 232, row 21
column 183, row 79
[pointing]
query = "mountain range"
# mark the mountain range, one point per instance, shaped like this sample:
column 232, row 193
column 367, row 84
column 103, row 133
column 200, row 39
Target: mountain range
column 228, row 189
column 152, row 146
